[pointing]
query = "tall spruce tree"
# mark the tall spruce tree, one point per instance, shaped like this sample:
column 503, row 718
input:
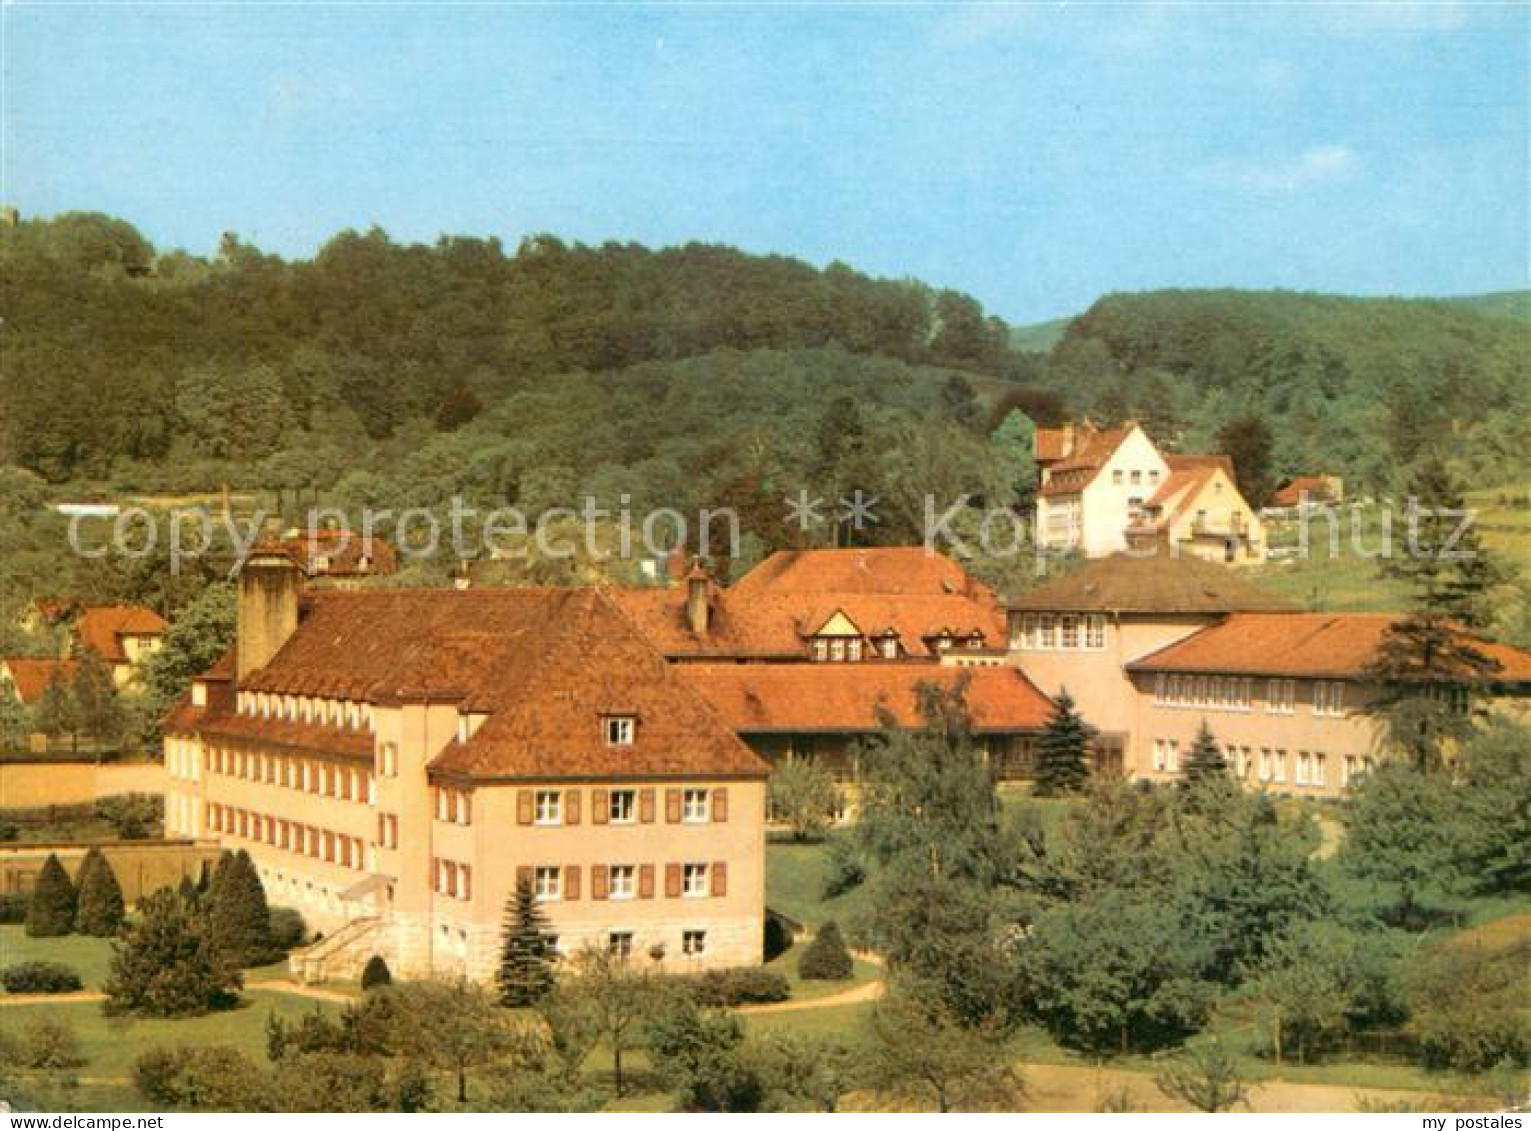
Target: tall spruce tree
column 101, row 909
column 526, row 958
column 1430, row 668
column 1204, row 762
column 51, row 912
column 1063, row 750
column 239, row 919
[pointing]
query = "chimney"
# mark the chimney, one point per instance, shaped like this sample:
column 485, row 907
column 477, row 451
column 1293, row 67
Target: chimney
column 698, row 609
column 1068, row 438
column 269, row 586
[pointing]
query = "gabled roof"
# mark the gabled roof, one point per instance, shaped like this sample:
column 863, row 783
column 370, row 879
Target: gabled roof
column 102, row 627
column 772, row 610
column 1051, row 444
column 1160, row 582
column 544, row 665
column 1078, row 471
column 1318, row 488
column 1308, row 645
column 1180, row 462
column 335, row 552
column 843, row 698
column 30, row 677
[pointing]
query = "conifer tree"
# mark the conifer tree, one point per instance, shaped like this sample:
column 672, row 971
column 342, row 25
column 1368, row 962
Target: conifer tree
column 238, row 918
column 101, row 908
column 51, row 912
column 1063, row 750
column 1204, row 761
column 376, row 973
column 526, row 959
column 826, row 959
column 166, row 963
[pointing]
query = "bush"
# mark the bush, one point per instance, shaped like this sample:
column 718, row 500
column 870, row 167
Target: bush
column 826, row 958
column 45, row 1043
column 167, row 965
column 217, row 1078
column 744, row 985
column 844, row 869
column 51, row 912
column 288, row 930
column 239, row 919
column 13, row 907
column 376, row 973
column 133, row 816
column 39, row 978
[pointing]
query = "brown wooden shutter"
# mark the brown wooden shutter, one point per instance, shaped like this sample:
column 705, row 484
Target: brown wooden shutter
column 571, row 881
column 523, row 876
column 645, row 881
column 718, row 877
column 720, row 804
column 646, row 806
column 672, row 881
column 571, row 806
column 598, row 881
column 523, row 806
column 672, row 806
column 600, row 807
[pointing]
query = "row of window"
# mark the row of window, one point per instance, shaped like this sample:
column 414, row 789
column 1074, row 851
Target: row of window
column 307, row 775
column 1236, row 693
column 690, row 805
column 289, row 836
column 1060, row 632
column 181, row 759
column 348, row 713
column 852, row 649
column 1270, row 764
column 1136, row 476
column 552, row 883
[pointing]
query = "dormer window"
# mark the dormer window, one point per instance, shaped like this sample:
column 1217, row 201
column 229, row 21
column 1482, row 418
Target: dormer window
column 462, row 728
column 619, row 729
column 853, row 650
column 890, row 647
column 821, row 650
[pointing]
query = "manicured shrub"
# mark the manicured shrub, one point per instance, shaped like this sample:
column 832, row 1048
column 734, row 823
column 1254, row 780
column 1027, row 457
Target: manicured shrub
column 239, row 918
column 376, row 973
column 288, row 930
column 100, row 909
column 826, row 958
column 39, row 978
column 742, row 985
column 51, row 912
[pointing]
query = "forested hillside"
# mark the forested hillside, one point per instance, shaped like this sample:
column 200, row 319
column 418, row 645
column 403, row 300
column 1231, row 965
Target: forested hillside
column 1355, row 386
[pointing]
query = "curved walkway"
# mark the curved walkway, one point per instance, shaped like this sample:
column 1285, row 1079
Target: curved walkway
column 866, row 991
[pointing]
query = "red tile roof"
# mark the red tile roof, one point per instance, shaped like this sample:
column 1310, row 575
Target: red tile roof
column 30, row 677
column 806, row 698
column 1319, row 645
column 771, row 611
column 102, row 627
column 338, row 553
column 1078, row 471
column 1317, row 487
column 545, row 665
column 1179, row 462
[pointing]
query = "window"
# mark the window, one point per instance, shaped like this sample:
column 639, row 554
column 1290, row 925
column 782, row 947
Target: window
column 1320, row 769
column 549, row 807
column 1117, row 476
column 1159, row 756
column 388, row 830
column 1280, row 766
column 619, row 730
column 622, row 808
column 853, row 650
column 1068, row 631
column 1328, row 698
column 890, row 648
column 464, row 881
column 1348, row 769
column 693, row 942
column 1095, row 631
column 1172, row 756
column 1280, row 694
column 694, row 880
column 837, row 650
column 619, row 944
column 547, row 883
column 622, row 881
column 1265, row 763
column 1160, row 689
column 1045, row 631
column 443, row 804
column 388, row 760
column 1137, row 478
column 694, row 806
column 1153, row 475
column 1304, row 760
column 821, row 650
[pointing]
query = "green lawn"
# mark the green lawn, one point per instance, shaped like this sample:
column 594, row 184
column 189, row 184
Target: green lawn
column 795, row 885
column 88, row 956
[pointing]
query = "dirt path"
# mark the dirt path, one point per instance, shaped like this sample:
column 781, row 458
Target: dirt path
column 275, row 986
column 867, row 991
column 52, row 999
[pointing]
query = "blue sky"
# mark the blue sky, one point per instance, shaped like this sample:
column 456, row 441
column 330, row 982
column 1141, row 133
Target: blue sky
column 1035, row 155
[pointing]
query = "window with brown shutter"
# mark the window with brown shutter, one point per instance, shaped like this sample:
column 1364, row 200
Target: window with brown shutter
column 646, row 806
column 523, row 806
column 598, row 807
column 598, row 881
column 720, row 804
column 719, row 877
column 571, row 882
column 672, row 806
column 571, row 806
column 672, row 881
column 645, row 881
column 524, row 876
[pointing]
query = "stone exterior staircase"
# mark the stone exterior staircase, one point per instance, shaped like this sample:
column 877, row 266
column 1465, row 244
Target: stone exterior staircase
column 338, row 955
